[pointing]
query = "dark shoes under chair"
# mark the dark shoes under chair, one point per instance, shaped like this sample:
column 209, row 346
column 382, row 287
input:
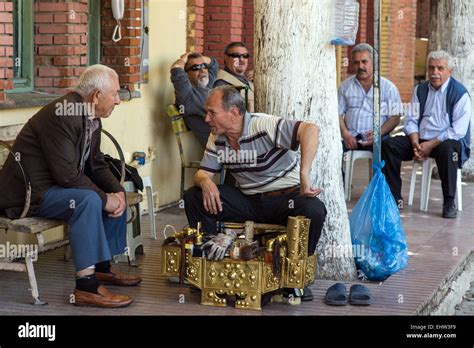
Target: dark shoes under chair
column 449, row 210
column 359, row 295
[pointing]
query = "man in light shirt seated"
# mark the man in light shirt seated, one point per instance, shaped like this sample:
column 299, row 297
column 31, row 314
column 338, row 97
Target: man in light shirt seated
column 355, row 103
column 259, row 151
column 441, row 130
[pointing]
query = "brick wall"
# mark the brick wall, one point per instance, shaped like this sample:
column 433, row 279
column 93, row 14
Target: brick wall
column 60, row 44
column 223, row 23
column 423, row 18
column 399, row 23
column 6, row 48
column 249, row 25
column 212, row 24
column 402, row 46
column 123, row 56
column 195, row 26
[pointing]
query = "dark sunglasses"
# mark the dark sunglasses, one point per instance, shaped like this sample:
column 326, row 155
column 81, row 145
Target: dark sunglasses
column 238, row 55
column 197, row 67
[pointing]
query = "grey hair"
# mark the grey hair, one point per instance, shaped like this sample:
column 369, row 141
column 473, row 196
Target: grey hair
column 364, row 47
column 95, row 77
column 230, row 98
column 436, row 55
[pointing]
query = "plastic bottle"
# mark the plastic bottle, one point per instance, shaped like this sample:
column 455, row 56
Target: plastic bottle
column 346, row 22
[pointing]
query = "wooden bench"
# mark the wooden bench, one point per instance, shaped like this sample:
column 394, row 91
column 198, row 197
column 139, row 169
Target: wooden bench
column 37, row 226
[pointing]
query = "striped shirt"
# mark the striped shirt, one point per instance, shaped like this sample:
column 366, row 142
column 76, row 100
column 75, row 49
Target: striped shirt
column 357, row 105
column 266, row 160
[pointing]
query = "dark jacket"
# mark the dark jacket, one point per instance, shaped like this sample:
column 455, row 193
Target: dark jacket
column 192, row 98
column 51, row 149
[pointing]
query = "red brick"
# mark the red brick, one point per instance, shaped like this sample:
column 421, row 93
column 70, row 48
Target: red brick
column 129, row 78
column 80, row 50
column 53, row 29
column 56, row 50
column 67, row 39
column 6, row 84
column 66, row 61
column 43, row 82
column 2, row 28
column 132, row 13
column 3, row 97
column 52, row 7
column 71, row 82
column 46, row 71
column 121, row 51
column 43, row 18
column 6, row 62
column 43, row 40
column 199, row 11
column 78, row 28
column 6, row 40
column 9, row 6
column 8, row 28
column 6, row 18
column 79, row 71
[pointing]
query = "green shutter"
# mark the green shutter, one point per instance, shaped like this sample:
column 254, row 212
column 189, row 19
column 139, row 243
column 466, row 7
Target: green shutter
column 94, row 32
column 23, row 60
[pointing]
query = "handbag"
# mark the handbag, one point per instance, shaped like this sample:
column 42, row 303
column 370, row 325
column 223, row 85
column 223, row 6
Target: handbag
column 131, row 173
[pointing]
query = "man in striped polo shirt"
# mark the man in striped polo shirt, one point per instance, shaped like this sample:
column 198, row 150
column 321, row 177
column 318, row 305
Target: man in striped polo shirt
column 355, row 103
column 259, row 151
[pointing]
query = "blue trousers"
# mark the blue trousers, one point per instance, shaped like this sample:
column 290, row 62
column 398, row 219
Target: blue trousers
column 93, row 235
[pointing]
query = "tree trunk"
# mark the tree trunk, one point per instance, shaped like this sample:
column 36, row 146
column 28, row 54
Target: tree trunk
column 452, row 30
column 295, row 78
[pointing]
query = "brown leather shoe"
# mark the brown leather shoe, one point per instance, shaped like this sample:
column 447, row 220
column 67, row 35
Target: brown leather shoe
column 104, row 298
column 117, row 278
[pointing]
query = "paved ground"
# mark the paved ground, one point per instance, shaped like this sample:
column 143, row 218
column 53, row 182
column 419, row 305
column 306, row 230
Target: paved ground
column 467, row 305
column 437, row 247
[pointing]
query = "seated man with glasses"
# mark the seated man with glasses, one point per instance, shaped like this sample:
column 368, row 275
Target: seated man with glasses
column 192, row 76
column 235, row 73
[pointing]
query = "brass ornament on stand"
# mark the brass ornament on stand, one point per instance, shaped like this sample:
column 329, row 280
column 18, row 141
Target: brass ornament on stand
column 283, row 262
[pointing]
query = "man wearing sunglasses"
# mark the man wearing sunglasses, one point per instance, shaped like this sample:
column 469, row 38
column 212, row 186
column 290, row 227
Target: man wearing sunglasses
column 235, row 73
column 192, row 76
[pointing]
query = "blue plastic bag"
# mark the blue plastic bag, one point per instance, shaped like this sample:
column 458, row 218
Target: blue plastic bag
column 377, row 232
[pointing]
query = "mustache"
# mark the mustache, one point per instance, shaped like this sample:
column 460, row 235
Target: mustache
column 435, row 76
column 361, row 70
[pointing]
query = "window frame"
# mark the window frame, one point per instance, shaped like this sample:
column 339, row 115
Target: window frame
column 23, row 15
column 94, row 32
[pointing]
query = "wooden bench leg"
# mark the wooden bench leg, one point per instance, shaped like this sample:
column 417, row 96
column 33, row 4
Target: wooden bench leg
column 67, row 252
column 32, row 278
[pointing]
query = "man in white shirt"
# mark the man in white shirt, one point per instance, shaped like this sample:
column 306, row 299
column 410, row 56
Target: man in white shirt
column 440, row 130
column 355, row 102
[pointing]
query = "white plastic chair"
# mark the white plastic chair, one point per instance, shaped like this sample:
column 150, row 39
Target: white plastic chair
column 149, row 198
column 426, row 171
column 349, row 158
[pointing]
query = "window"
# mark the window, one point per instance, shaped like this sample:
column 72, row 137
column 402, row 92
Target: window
column 23, row 71
column 94, row 32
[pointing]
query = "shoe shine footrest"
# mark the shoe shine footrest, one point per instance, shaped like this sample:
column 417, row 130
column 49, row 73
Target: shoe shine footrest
column 247, row 281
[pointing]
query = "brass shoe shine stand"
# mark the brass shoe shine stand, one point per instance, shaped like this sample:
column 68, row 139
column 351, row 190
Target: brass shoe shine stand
column 282, row 262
